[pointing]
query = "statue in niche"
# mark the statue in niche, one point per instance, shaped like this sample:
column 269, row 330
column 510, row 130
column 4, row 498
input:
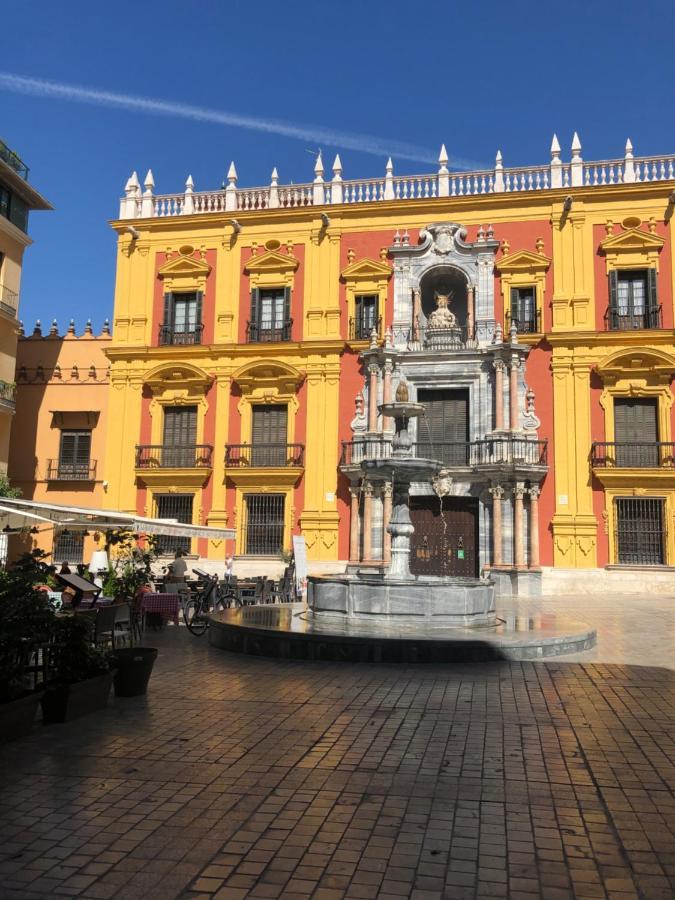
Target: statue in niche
column 360, row 421
column 442, row 318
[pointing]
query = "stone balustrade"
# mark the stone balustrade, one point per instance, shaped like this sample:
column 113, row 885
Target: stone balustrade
column 138, row 203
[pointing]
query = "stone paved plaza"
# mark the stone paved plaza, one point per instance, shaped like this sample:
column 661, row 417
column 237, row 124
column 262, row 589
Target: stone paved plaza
column 239, row 776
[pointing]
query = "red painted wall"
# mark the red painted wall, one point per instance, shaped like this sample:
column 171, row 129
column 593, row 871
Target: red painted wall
column 538, row 377
column 523, row 236
column 351, row 382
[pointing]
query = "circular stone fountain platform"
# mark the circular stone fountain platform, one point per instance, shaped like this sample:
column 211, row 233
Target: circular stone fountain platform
column 291, row 631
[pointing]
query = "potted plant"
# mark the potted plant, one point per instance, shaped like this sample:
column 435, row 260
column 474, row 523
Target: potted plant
column 26, row 621
column 80, row 673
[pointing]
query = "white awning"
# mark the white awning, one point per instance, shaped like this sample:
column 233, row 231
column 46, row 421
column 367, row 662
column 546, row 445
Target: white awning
column 80, row 517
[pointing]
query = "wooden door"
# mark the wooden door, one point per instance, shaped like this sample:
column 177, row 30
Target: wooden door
column 180, row 436
column 443, row 431
column 445, row 541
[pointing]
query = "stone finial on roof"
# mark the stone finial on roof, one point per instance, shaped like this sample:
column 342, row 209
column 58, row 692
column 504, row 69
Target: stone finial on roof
column 389, row 180
column 87, row 328
column 106, row 327
column 555, row 147
column 576, row 163
column 231, row 189
column 146, row 201
column 576, row 145
column 336, row 181
column 37, row 331
column 188, row 201
column 499, row 172
column 490, row 233
column 337, row 168
column 274, row 181
column 318, row 192
column 149, row 182
column 443, row 160
column 556, row 164
column 443, row 174
column 628, row 164
column 273, row 201
column 54, row 330
column 318, row 168
column 499, row 334
column 21, row 331
column 480, row 236
column 232, row 174
column 71, row 327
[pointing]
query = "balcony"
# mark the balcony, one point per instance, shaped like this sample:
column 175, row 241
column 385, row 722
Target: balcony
column 259, row 333
column 266, row 456
column 361, row 330
column 13, row 160
column 422, row 338
column 495, row 452
column 7, row 396
column 57, row 470
column 165, row 466
column 633, row 455
column 9, row 301
column 525, row 325
column 172, row 337
column 264, row 466
column 615, row 320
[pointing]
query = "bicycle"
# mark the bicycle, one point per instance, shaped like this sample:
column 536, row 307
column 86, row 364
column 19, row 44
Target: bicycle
column 197, row 609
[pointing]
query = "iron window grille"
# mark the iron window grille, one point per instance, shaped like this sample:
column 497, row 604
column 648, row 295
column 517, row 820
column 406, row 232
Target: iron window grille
column 264, row 524
column 68, row 546
column 640, row 531
column 174, row 506
column 74, row 460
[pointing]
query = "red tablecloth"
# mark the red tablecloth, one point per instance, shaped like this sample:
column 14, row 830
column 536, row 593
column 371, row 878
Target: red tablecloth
column 166, row 604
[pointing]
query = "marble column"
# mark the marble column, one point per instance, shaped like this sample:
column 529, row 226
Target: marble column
column 497, row 492
column 518, row 522
column 368, row 494
column 373, row 370
column 386, row 517
column 470, row 312
column 514, row 412
column 417, row 309
column 534, row 527
column 354, row 555
column 386, row 393
column 499, row 394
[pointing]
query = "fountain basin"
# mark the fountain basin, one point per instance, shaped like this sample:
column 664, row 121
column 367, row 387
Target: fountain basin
column 416, row 601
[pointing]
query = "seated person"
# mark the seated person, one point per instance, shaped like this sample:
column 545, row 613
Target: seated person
column 179, row 567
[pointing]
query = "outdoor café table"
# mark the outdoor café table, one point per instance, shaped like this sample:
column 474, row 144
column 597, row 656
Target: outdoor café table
column 167, row 605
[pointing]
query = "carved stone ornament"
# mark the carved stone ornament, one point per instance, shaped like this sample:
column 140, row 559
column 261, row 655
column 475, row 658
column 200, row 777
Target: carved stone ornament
column 530, row 422
column 360, row 421
column 444, row 236
column 442, row 483
column 441, row 317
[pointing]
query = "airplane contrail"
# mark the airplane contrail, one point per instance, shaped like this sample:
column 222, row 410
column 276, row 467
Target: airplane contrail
column 38, row 87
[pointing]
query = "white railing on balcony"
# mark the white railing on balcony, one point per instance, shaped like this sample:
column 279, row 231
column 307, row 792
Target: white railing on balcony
column 9, row 300
column 138, row 203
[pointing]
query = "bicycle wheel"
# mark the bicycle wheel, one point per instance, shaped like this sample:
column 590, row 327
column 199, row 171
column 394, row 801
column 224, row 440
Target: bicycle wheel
column 195, row 619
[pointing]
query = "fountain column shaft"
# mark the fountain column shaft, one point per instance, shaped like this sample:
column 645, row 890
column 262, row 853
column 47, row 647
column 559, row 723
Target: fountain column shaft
column 368, row 523
column 499, row 395
column 386, row 516
column 354, row 526
column 518, row 520
column 534, row 528
column 497, row 493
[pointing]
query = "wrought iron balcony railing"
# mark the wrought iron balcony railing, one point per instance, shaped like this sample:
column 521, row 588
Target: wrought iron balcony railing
column 8, row 394
column 616, row 320
column 525, row 324
column 14, row 160
column 58, row 470
column 160, row 456
column 169, row 336
column 260, row 333
column 265, row 456
column 362, row 329
column 9, row 300
column 633, row 455
column 502, row 450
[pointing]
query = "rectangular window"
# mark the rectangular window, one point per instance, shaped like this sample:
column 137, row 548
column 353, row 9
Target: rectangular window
column 636, row 432
column 74, row 455
column 640, row 535
column 633, row 300
column 180, row 436
column 366, row 310
column 174, row 506
column 264, row 527
column 13, row 208
column 269, row 435
column 270, row 315
column 68, row 546
column 182, row 318
column 524, row 309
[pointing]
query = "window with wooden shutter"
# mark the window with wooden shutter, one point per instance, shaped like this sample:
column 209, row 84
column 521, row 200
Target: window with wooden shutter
column 180, row 436
column 443, row 431
column 636, row 432
column 524, row 309
column 633, row 301
column 269, row 435
column 366, row 309
column 270, row 315
column 74, row 454
column 182, row 318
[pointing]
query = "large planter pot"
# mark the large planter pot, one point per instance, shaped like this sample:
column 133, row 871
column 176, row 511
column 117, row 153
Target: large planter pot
column 133, row 669
column 17, row 716
column 69, row 701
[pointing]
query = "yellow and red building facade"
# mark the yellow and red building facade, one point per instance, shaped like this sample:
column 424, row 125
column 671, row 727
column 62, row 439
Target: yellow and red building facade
column 256, row 331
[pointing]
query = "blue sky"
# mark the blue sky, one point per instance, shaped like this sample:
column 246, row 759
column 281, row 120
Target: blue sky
column 476, row 76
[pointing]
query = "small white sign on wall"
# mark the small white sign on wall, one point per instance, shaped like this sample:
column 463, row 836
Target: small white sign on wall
column 562, row 500
column 330, row 497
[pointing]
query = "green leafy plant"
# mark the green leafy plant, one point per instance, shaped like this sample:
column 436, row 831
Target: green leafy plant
column 6, row 489
column 74, row 658
column 131, row 566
